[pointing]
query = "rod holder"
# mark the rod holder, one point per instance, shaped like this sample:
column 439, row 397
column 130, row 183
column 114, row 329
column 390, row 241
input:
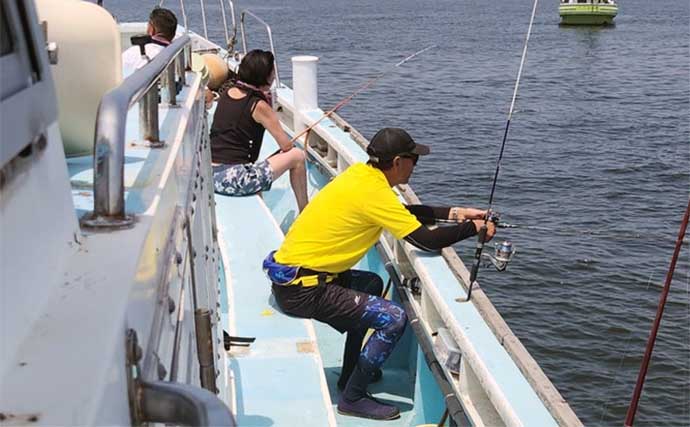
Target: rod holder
column 204, row 344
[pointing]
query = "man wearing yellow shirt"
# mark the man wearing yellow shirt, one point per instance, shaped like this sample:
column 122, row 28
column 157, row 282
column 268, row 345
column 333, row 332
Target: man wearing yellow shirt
column 312, row 271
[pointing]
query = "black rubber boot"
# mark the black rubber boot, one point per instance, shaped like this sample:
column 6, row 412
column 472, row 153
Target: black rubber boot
column 375, row 377
column 356, row 402
column 353, row 346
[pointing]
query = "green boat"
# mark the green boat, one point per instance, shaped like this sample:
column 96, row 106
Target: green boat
column 587, row 12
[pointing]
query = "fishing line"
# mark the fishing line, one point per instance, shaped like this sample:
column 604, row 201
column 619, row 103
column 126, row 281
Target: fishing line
column 482, row 231
column 616, row 375
column 563, row 230
column 576, row 232
column 363, row 87
column 632, row 409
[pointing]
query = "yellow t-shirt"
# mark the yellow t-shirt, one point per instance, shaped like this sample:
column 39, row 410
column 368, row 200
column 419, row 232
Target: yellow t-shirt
column 344, row 220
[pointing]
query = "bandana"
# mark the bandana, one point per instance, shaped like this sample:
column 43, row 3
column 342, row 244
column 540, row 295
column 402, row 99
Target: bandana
column 266, row 96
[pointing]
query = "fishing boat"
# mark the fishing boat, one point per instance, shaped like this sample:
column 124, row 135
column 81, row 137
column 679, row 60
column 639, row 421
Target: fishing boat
column 587, row 12
column 133, row 294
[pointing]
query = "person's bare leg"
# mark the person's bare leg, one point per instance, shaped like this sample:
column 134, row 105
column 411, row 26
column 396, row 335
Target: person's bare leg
column 298, row 181
column 293, row 161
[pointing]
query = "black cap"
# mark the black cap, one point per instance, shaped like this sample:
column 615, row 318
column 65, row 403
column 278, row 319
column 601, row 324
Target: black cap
column 391, row 142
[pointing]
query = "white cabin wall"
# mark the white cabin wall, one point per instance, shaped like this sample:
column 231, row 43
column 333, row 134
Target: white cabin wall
column 39, row 232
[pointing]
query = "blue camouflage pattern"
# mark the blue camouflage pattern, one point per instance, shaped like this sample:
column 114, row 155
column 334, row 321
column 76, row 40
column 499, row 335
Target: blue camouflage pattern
column 389, row 320
column 243, row 179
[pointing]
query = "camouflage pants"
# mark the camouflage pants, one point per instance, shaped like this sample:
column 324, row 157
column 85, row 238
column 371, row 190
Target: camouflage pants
column 243, row 179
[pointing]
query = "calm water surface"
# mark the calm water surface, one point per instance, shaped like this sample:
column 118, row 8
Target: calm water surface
column 599, row 143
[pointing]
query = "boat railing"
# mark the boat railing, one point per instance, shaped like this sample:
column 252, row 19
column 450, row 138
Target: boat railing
column 230, row 41
column 181, row 404
column 169, row 402
column 109, row 144
column 270, row 39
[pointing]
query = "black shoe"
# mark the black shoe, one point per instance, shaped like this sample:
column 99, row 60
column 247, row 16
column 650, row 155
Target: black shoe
column 367, row 407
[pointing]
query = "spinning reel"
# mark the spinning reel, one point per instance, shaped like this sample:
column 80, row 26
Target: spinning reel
column 503, row 252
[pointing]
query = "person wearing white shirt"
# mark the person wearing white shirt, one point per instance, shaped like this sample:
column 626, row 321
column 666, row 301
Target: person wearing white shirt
column 161, row 27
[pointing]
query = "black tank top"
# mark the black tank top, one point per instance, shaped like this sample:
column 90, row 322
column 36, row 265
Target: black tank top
column 235, row 136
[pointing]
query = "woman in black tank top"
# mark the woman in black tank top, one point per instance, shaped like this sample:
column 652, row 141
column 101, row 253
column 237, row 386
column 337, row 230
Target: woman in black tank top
column 242, row 115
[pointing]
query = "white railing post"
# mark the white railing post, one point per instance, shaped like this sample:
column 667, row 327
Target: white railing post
column 305, row 88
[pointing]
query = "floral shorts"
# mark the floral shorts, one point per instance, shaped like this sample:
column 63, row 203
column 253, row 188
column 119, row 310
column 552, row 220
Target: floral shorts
column 243, row 179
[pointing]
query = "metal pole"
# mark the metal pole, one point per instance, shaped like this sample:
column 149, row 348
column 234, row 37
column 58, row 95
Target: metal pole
column 181, row 68
column 225, row 23
column 233, row 41
column 632, row 409
column 184, row 16
column 203, row 18
column 244, row 36
column 169, row 90
column 275, row 58
column 148, row 116
column 188, row 57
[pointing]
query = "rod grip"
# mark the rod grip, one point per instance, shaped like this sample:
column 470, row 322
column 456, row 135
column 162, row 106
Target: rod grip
column 481, row 236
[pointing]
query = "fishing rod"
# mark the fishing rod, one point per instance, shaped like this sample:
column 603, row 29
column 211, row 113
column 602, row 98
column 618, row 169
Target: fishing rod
column 489, row 216
column 632, row 409
column 363, row 87
column 574, row 232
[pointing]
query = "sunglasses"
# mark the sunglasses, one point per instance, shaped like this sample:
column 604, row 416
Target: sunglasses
column 413, row 156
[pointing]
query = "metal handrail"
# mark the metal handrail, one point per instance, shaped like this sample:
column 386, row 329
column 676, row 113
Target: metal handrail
column 270, row 39
column 229, row 42
column 225, row 23
column 185, row 404
column 109, row 145
column 233, row 40
column 203, row 18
